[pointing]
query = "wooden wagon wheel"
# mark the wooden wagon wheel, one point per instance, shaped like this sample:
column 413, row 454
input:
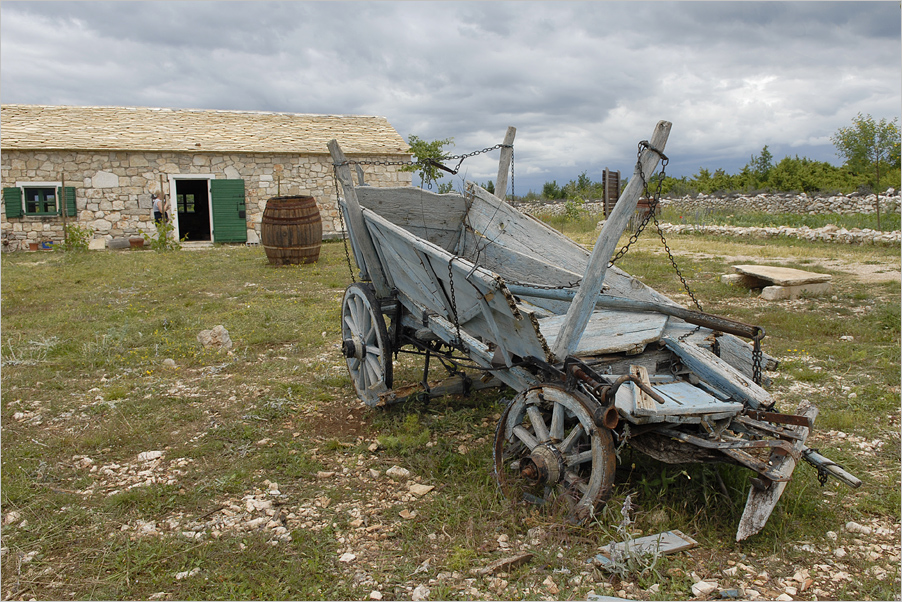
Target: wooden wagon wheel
column 548, row 449
column 365, row 343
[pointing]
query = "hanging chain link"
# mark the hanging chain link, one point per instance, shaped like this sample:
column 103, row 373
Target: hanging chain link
column 822, row 474
column 655, row 199
column 757, row 357
column 757, row 353
column 459, row 342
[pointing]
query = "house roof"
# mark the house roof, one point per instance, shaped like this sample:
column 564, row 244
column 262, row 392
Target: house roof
column 36, row 127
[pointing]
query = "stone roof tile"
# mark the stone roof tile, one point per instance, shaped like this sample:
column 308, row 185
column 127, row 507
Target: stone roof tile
column 37, row 127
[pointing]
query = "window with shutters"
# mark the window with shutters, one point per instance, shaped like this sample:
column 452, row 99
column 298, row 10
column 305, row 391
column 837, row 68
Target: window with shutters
column 39, row 199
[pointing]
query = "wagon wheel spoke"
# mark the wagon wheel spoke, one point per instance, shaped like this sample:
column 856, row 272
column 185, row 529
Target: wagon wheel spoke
column 365, row 343
column 538, row 423
column 557, row 423
column 549, row 449
column 572, row 438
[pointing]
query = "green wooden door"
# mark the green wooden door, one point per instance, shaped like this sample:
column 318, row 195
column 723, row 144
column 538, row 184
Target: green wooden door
column 229, row 210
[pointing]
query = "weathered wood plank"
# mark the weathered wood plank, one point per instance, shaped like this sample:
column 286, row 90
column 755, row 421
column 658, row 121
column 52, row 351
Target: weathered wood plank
column 515, row 331
column 668, row 542
column 516, row 231
column 738, row 354
column 513, row 264
column 516, row 378
column 356, row 227
column 581, row 309
column 434, row 217
column 719, row 373
column 403, row 263
column 610, row 331
column 761, row 503
column 501, row 223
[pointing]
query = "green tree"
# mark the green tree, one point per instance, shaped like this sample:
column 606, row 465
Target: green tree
column 762, row 164
column 426, row 153
column 867, row 144
column 552, row 191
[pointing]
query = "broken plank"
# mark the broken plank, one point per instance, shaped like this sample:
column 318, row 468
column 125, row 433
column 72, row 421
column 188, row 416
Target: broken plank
column 718, row 373
column 761, row 502
column 668, row 542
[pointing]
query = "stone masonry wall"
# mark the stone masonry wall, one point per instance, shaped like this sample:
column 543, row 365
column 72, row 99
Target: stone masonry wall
column 767, row 203
column 793, row 203
column 113, row 189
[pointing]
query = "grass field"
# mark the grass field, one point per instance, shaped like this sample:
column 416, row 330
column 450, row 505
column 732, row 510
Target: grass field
column 138, row 465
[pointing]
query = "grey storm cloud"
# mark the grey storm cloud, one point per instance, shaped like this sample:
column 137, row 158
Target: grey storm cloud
column 583, row 82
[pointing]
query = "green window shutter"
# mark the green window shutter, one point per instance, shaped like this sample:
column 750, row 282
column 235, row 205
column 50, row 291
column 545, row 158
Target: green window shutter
column 229, row 210
column 12, row 198
column 70, row 201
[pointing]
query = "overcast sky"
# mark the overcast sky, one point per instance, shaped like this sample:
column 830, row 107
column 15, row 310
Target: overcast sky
column 582, row 82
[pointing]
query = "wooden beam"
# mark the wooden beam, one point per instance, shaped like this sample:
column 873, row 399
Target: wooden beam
column 504, row 164
column 584, row 302
column 370, row 259
column 719, row 374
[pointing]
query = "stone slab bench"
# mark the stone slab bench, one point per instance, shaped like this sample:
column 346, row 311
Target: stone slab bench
column 779, row 283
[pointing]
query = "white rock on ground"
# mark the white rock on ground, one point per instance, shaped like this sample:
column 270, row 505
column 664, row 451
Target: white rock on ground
column 703, row 588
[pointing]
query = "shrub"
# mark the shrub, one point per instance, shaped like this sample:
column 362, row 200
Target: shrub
column 77, row 238
column 165, row 239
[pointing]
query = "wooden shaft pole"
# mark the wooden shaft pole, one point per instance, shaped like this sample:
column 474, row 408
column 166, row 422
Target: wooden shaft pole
column 356, row 225
column 504, row 164
column 64, row 207
column 584, row 302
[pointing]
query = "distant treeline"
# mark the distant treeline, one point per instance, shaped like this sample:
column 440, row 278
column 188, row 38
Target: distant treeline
column 760, row 174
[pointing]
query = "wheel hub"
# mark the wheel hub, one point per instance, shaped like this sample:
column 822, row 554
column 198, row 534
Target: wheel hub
column 544, row 465
column 353, row 347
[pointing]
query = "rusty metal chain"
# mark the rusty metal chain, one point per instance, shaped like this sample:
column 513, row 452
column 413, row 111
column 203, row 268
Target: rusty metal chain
column 822, row 474
column 757, row 357
column 657, row 196
column 459, row 341
column 655, row 199
column 464, row 156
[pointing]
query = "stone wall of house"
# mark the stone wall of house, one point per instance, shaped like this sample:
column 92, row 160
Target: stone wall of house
column 113, row 189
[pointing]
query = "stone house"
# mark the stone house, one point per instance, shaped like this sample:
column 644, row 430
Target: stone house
column 98, row 167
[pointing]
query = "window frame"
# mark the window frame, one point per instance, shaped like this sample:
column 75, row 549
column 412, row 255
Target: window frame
column 56, row 186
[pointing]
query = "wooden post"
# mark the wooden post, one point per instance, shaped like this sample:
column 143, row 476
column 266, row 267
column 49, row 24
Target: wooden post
column 357, row 227
column 584, row 302
column 65, row 207
column 504, row 164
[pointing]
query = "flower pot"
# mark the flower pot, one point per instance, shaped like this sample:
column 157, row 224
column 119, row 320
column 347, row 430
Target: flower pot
column 136, row 242
column 33, row 246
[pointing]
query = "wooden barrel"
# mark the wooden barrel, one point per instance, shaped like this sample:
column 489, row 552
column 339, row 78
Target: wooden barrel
column 291, row 230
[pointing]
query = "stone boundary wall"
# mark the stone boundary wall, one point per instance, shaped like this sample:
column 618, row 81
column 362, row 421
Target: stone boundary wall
column 863, row 236
column 793, row 203
column 766, row 203
column 113, row 189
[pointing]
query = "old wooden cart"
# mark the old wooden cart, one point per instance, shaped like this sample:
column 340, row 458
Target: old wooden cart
column 597, row 358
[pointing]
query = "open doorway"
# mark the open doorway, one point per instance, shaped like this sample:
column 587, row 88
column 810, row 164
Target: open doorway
column 192, row 203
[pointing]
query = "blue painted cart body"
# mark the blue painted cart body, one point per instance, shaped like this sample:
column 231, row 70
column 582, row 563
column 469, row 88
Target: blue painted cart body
column 467, row 275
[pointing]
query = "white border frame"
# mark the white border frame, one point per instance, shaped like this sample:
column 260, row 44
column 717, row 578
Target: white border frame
column 173, row 178
column 56, row 185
